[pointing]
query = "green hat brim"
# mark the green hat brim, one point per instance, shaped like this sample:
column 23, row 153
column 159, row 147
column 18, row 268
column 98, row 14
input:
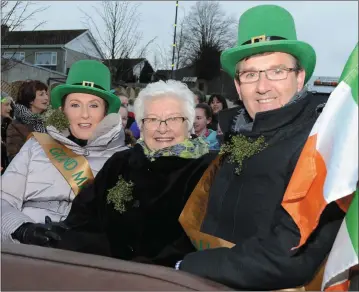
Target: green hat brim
column 60, row 91
column 301, row 50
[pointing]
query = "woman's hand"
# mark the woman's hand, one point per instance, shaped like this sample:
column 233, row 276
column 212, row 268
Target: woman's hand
column 43, row 234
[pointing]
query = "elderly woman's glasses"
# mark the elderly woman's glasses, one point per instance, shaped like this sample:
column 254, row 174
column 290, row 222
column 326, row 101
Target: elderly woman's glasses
column 154, row 123
column 271, row 74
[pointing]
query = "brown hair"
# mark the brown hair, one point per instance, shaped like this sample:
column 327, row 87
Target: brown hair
column 27, row 92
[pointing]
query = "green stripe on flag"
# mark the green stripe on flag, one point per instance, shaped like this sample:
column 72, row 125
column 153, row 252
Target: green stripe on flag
column 350, row 73
column 351, row 220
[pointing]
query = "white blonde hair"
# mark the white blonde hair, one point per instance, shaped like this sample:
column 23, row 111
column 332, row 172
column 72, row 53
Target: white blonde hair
column 162, row 89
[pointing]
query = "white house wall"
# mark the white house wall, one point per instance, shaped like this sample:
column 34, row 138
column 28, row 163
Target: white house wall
column 24, row 71
column 85, row 45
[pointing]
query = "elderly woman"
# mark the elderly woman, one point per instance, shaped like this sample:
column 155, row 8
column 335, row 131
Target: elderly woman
column 131, row 210
column 50, row 169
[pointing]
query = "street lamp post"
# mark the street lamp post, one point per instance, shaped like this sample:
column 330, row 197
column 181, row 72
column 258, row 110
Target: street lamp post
column 174, row 44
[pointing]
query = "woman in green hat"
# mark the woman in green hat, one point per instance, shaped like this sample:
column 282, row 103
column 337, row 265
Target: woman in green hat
column 83, row 131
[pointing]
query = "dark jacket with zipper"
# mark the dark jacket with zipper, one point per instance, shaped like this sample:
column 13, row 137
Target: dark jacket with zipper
column 246, row 209
column 148, row 231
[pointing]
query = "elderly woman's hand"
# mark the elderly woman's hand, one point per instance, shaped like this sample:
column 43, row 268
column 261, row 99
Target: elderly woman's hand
column 46, row 234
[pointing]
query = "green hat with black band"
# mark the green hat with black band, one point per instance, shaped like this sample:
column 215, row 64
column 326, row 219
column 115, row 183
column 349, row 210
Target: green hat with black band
column 87, row 76
column 268, row 28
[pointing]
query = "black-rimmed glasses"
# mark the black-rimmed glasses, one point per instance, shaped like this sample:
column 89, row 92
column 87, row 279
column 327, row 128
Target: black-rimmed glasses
column 154, row 123
column 271, row 74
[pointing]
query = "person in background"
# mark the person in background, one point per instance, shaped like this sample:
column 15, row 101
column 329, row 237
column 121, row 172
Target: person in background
column 83, row 132
column 129, row 138
column 217, row 103
column 6, row 119
column 199, row 96
column 202, row 120
column 32, row 101
column 131, row 122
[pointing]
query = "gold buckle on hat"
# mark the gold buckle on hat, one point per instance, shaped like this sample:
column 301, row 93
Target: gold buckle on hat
column 257, row 39
column 88, row 83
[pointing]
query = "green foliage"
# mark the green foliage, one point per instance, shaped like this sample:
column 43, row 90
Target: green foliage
column 120, row 194
column 56, row 118
column 240, row 148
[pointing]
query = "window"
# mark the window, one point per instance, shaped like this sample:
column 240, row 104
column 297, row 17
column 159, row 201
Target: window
column 46, row 59
column 20, row 56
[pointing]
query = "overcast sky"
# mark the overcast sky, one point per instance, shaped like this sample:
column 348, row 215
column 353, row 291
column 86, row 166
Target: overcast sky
column 330, row 27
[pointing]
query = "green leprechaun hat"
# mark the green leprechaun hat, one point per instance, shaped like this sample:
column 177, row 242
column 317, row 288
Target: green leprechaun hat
column 268, row 28
column 87, row 76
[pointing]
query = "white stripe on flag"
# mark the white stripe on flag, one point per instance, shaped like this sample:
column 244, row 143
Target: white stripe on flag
column 337, row 142
column 342, row 257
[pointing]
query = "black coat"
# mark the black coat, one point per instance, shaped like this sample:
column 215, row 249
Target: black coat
column 246, row 210
column 149, row 230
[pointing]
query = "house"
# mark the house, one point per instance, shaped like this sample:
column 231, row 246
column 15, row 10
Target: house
column 221, row 84
column 55, row 50
column 125, row 71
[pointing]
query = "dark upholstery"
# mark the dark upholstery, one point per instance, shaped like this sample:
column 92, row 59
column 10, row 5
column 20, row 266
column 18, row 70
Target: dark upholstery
column 27, row 267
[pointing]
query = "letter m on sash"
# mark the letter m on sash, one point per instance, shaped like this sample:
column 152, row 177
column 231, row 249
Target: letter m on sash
column 78, row 179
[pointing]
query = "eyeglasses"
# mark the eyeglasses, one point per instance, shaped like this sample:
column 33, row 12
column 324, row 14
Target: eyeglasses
column 271, row 74
column 154, row 123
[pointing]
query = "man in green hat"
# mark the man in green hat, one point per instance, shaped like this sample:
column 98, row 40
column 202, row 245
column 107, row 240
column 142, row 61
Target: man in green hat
column 253, row 239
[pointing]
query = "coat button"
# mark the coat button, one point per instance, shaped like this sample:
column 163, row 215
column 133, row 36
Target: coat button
column 136, row 204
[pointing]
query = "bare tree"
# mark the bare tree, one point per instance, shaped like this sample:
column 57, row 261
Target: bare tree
column 116, row 30
column 14, row 16
column 207, row 31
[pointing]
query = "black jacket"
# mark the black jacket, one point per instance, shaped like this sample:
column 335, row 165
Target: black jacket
column 149, row 229
column 246, row 210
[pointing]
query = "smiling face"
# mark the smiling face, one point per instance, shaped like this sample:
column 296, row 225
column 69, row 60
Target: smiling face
column 201, row 121
column 40, row 103
column 162, row 108
column 265, row 95
column 84, row 112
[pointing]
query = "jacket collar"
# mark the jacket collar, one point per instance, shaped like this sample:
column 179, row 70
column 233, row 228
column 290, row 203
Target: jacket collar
column 108, row 134
column 278, row 118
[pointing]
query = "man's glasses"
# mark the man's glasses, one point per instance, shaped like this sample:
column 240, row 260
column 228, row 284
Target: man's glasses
column 154, row 123
column 271, row 74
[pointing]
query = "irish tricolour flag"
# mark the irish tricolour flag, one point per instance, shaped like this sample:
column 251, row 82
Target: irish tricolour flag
column 327, row 171
column 344, row 254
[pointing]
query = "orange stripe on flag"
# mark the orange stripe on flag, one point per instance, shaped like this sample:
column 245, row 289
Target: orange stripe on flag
column 344, row 203
column 304, row 199
column 344, row 286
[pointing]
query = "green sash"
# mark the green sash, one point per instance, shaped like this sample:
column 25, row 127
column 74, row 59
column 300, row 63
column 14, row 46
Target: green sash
column 74, row 168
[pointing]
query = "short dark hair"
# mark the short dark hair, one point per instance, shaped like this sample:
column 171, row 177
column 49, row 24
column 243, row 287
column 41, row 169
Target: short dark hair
column 27, row 92
column 220, row 98
column 207, row 110
column 63, row 101
column 200, row 94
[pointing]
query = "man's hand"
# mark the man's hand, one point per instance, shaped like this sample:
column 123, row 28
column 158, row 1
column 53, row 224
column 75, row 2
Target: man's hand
column 46, row 234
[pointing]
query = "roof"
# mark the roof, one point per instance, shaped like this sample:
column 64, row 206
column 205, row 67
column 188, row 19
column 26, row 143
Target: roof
column 41, row 37
column 123, row 63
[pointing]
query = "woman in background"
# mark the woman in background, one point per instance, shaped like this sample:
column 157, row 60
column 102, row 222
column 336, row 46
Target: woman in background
column 32, row 101
column 202, row 120
column 6, row 118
